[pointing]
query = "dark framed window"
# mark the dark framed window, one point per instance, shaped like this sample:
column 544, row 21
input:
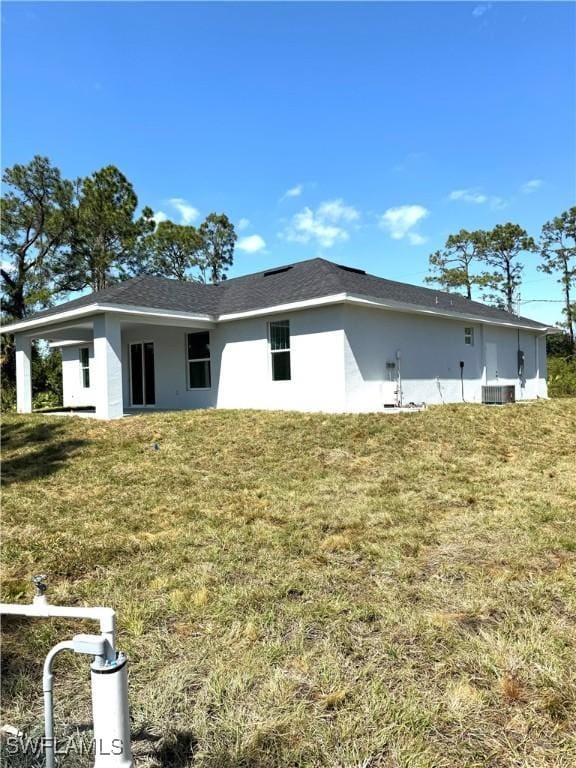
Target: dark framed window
column 85, row 366
column 199, row 373
column 279, row 333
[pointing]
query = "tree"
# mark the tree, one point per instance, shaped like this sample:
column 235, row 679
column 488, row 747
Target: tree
column 451, row 268
column 559, row 256
column 106, row 233
column 37, row 214
column 173, row 250
column 559, row 345
column 47, row 373
column 217, row 247
column 501, row 249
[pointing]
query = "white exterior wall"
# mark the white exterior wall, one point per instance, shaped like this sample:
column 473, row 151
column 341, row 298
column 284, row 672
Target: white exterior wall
column 171, row 387
column 317, row 363
column 241, row 365
column 338, row 362
column 430, row 351
column 23, row 373
column 508, row 342
column 73, row 392
column 107, row 367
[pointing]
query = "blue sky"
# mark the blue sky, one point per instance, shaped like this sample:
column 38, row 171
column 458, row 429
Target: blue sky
column 362, row 132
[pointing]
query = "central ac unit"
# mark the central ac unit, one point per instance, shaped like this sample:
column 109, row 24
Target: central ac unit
column 498, row 394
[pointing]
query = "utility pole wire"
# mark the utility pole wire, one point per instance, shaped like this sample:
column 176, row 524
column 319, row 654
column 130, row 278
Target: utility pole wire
column 546, row 301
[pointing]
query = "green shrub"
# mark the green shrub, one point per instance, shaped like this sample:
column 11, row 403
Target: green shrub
column 7, row 398
column 47, row 373
column 562, row 376
column 559, row 345
column 39, row 401
column 45, row 400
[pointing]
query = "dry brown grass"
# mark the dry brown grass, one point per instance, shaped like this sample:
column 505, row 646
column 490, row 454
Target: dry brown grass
column 308, row 590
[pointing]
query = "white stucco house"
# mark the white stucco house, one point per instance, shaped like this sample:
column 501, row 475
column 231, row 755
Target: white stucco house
column 309, row 336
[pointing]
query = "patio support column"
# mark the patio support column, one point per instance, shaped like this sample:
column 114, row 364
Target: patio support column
column 23, row 373
column 107, row 370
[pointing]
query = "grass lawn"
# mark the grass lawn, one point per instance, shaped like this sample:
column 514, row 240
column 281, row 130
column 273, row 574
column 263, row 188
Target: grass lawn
column 307, row 590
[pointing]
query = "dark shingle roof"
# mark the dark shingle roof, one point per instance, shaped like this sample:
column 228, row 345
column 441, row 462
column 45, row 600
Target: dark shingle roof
column 146, row 291
column 301, row 281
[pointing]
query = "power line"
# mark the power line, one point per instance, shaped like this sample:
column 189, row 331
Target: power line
column 545, row 301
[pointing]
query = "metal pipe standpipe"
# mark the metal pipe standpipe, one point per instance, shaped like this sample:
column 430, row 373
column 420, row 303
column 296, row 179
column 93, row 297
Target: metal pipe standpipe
column 110, row 713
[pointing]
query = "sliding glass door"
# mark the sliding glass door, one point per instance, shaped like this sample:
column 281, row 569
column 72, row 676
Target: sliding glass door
column 142, row 385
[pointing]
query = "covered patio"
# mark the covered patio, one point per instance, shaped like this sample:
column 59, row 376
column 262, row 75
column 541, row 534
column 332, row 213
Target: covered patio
column 118, row 373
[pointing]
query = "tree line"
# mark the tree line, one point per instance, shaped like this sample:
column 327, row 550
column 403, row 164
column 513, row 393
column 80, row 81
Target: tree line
column 60, row 235
column 490, row 262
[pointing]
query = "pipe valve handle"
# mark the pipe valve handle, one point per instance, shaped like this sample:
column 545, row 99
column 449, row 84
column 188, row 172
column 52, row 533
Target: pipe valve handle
column 39, row 582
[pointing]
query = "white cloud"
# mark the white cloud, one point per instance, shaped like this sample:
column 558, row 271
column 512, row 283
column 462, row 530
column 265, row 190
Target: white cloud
column 468, row 196
column 325, row 225
column 337, row 210
column 295, row 191
column 481, row 9
column 497, row 203
column 306, row 226
column 251, row 244
column 400, row 221
column 243, row 224
column 530, row 186
column 478, row 198
column 188, row 214
column 160, row 216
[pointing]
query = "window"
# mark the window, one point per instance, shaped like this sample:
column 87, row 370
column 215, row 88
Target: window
column 85, row 366
column 469, row 336
column 199, row 376
column 142, row 373
column 279, row 331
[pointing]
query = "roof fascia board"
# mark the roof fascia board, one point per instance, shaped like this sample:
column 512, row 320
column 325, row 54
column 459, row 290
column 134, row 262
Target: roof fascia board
column 293, row 306
column 70, row 343
column 58, row 317
column 209, row 320
column 128, row 309
column 96, row 308
column 399, row 306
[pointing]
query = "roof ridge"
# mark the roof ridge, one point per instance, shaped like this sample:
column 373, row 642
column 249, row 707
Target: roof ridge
column 331, row 268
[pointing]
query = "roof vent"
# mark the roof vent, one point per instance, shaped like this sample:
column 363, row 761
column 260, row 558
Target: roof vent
column 277, row 271
column 351, row 269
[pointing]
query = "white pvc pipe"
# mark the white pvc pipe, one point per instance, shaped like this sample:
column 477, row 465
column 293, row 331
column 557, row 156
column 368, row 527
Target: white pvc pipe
column 110, row 715
column 42, row 608
column 47, row 689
